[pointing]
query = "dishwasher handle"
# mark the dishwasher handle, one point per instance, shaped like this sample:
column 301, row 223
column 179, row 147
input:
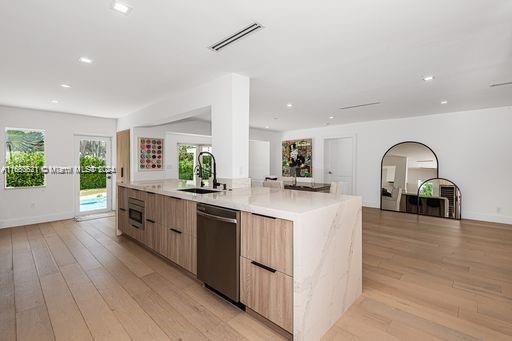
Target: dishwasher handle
column 215, row 217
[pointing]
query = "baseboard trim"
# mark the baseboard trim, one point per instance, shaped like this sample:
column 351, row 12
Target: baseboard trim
column 501, row 219
column 36, row 219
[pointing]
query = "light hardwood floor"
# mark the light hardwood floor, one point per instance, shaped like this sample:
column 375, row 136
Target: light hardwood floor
column 424, row 279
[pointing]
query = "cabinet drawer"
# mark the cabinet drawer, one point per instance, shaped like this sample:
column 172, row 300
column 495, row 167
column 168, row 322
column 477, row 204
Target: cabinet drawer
column 268, row 241
column 269, row 293
column 154, row 207
column 182, row 249
column 137, row 194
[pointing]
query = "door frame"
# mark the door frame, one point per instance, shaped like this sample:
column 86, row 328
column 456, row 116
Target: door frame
column 354, row 157
column 76, row 180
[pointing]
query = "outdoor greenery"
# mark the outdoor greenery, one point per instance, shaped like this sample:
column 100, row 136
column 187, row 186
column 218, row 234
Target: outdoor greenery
column 24, row 158
column 91, row 177
column 427, row 189
column 186, row 163
column 28, row 160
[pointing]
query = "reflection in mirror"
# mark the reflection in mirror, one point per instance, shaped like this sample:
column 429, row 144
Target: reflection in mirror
column 439, row 198
column 405, row 167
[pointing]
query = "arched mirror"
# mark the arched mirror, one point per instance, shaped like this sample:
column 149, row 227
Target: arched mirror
column 404, row 167
column 439, row 198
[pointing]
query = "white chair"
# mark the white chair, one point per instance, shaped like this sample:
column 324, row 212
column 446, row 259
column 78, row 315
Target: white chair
column 392, row 203
column 273, row 184
column 336, row 188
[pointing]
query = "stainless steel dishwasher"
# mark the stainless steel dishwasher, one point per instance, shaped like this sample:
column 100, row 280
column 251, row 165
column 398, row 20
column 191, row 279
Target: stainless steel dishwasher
column 218, row 249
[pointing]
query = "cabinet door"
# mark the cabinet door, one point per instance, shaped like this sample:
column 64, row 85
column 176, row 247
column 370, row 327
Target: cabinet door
column 136, row 194
column 160, row 240
column 122, row 197
column 154, row 208
column 182, row 250
column 122, row 220
column 269, row 293
column 268, row 241
column 174, row 213
column 149, row 234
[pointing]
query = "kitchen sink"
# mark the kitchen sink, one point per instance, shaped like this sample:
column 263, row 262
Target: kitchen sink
column 198, row 190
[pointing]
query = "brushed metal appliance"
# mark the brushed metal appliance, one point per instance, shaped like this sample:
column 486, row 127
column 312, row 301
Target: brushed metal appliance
column 218, row 250
column 136, row 213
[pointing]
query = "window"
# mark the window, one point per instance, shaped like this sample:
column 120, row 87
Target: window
column 25, row 159
column 187, row 161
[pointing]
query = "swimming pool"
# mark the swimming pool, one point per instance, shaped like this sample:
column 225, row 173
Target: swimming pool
column 93, row 202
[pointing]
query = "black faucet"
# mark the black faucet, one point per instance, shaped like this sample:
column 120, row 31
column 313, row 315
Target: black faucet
column 200, row 169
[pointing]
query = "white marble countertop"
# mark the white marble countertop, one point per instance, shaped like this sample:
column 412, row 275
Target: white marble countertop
column 279, row 203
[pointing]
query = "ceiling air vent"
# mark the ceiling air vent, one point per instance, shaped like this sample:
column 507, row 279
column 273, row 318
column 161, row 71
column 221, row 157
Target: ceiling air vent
column 500, row 84
column 360, row 105
column 236, row 36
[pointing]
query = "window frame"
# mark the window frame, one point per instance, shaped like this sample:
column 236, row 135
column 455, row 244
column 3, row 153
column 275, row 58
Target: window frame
column 199, row 147
column 45, row 184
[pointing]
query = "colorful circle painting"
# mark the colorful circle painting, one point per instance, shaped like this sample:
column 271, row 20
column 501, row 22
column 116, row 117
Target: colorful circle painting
column 151, row 151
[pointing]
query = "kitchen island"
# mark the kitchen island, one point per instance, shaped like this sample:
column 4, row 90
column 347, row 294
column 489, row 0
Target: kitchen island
column 309, row 243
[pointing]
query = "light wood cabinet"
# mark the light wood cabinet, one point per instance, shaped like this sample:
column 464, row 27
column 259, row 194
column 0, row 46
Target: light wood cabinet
column 182, row 249
column 174, row 213
column 122, row 198
column 268, row 241
column 136, row 194
column 160, row 240
column 267, row 292
column 154, row 208
column 122, row 220
column 123, row 156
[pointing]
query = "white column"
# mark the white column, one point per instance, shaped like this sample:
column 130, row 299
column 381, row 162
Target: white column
column 230, row 130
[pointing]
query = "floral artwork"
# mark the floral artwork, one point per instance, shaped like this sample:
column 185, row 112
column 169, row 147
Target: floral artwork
column 151, row 153
column 297, row 160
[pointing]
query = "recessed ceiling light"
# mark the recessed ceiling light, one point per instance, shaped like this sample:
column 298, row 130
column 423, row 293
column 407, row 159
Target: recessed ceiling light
column 444, row 102
column 289, row 105
column 85, row 60
column 67, row 86
column 428, row 78
column 54, row 101
column 331, row 117
column 266, row 127
column 121, row 7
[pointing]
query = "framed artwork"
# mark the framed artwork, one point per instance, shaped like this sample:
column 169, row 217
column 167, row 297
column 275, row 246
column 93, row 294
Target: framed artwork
column 151, row 154
column 297, row 158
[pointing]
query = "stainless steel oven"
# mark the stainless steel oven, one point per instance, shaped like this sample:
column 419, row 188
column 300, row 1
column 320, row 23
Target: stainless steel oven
column 136, row 213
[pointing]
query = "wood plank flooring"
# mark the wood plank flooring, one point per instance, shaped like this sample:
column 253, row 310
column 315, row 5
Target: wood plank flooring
column 424, row 279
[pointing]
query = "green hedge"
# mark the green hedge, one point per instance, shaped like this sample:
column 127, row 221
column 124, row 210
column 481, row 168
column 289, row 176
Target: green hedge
column 95, row 179
column 26, row 159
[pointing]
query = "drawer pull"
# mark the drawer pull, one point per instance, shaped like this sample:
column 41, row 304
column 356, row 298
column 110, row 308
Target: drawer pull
column 177, row 231
column 122, row 209
column 150, row 220
column 263, row 266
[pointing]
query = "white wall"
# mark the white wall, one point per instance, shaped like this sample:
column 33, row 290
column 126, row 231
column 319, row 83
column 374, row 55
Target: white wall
column 194, row 132
column 473, row 147
column 56, row 200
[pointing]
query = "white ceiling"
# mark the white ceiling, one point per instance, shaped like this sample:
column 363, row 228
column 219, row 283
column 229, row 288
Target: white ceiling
column 320, row 56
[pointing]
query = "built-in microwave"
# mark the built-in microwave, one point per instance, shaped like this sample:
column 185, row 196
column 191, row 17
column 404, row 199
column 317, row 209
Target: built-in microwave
column 136, row 213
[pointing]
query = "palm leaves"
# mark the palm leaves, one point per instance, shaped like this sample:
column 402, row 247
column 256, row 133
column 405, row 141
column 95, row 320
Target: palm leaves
column 24, row 141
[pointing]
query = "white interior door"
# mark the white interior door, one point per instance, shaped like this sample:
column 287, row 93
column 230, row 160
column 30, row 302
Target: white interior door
column 339, row 162
column 259, row 159
column 93, row 186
